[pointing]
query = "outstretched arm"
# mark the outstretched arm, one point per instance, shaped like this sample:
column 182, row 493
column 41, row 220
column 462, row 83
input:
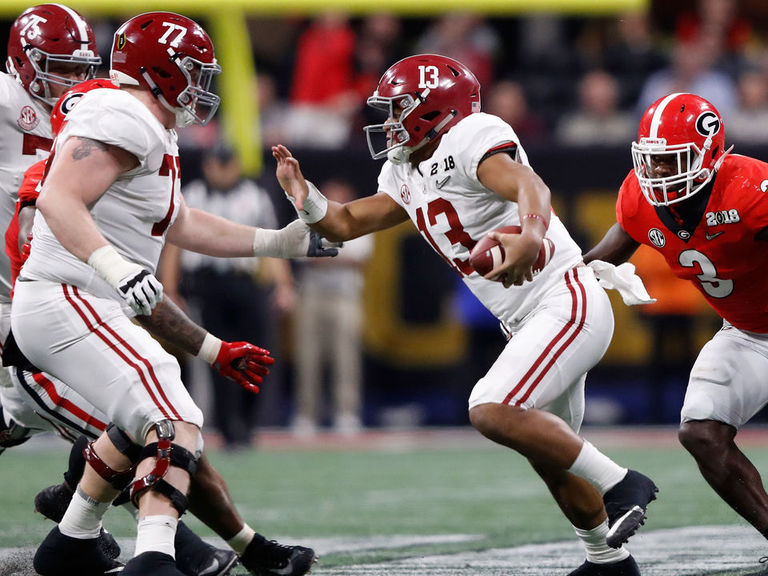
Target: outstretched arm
column 337, row 222
column 616, row 247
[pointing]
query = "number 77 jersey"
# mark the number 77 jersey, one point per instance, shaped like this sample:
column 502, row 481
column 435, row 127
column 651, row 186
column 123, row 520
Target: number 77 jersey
column 718, row 252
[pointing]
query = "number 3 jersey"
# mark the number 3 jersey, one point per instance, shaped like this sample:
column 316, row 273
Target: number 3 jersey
column 715, row 246
column 453, row 210
column 135, row 211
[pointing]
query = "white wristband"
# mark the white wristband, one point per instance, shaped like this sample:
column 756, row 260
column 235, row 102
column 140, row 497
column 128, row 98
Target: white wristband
column 110, row 265
column 209, row 349
column 315, row 205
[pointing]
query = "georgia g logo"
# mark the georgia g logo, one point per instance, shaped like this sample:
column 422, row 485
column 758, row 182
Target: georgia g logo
column 708, row 124
column 70, row 101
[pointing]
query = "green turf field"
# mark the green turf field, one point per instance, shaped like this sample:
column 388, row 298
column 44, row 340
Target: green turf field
column 445, row 508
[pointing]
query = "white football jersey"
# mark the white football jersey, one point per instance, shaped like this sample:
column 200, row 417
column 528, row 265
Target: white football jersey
column 25, row 138
column 453, row 210
column 136, row 210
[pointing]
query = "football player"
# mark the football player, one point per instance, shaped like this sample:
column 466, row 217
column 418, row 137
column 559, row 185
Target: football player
column 50, row 49
column 108, row 202
column 39, row 402
column 706, row 211
column 458, row 174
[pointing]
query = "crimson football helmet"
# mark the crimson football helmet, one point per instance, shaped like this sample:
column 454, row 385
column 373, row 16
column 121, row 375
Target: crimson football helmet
column 424, row 96
column 172, row 56
column 71, row 97
column 683, row 132
column 44, row 41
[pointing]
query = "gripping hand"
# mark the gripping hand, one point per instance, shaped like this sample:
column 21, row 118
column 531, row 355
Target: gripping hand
column 141, row 290
column 244, row 363
column 319, row 246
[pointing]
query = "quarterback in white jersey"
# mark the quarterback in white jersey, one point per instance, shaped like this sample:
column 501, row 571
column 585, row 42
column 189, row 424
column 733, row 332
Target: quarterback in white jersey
column 108, row 202
column 458, row 174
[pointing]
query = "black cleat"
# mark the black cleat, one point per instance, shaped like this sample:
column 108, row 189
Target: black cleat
column 151, row 564
column 61, row 555
column 53, row 501
column 626, row 505
column 195, row 557
column 627, row 567
column 269, row 558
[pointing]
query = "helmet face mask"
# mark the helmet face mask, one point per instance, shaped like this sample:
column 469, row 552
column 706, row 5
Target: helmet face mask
column 172, row 57
column 680, row 146
column 423, row 97
column 50, row 49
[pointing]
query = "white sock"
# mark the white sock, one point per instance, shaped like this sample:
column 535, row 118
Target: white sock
column 239, row 542
column 82, row 519
column 597, row 469
column 156, row 534
column 598, row 551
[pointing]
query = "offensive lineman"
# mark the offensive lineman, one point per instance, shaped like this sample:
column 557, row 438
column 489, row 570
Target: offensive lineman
column 458, row 174
column 43, row 403
column 95, row 248
column 706, row 212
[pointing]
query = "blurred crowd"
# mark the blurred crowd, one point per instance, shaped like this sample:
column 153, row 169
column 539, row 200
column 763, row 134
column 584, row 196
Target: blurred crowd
column 572, row 81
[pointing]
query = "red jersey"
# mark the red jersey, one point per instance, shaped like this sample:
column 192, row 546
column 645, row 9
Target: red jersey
column 718, row 251
column 28, row 193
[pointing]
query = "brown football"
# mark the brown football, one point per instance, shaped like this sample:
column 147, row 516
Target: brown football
column 488, row 253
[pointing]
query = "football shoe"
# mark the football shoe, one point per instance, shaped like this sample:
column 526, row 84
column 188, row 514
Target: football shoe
column 151, row 564
column 265, row 557
column 195, row 557
column 53, row 501
column 61, row 555
column 626, row 505
column 626, row 567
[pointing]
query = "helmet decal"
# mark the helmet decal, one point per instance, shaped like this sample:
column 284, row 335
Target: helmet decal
column 708, row 123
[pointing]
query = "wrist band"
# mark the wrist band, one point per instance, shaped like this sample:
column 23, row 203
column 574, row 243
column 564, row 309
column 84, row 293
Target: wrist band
column 110, row 265
column 209, row 349
column 315, row 205
column 538, row 217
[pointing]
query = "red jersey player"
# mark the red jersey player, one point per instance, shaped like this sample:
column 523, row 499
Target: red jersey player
column 706, row 212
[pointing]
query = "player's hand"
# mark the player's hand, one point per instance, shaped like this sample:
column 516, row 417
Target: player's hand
column 296, row 240
column 289, row 175
column 141, row 290
column 520, row 252
column 244, row 363
column 319, row 246
column 26, row 248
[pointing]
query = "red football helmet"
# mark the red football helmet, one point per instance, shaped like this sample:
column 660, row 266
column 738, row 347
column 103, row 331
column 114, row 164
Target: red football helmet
column 171, row 56
column 424, row 96
column 71, row 97
column 680, row 145
column 43, row 41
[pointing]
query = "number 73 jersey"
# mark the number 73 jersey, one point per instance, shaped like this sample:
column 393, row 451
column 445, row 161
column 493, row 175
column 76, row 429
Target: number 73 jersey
column 720, row 255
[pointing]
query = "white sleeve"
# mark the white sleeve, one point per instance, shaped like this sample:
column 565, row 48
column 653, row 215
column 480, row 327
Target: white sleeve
column 116, row 118
column 388, row 184
column 487, row 132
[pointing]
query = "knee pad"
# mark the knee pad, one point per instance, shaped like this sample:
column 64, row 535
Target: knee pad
column 119, row 479
column 167, row 454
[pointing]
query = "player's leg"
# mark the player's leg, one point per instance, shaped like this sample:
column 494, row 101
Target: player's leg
column 726, row 389
column 531, row 400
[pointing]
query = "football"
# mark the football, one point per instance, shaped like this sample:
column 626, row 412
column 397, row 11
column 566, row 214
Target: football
column 488, row 253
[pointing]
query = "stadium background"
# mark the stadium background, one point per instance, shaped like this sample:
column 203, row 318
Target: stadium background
column 421, row 359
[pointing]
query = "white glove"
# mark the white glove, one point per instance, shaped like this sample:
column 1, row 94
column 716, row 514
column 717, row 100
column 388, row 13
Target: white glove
column 137, row 286
column 623, row 279
column 295, row 240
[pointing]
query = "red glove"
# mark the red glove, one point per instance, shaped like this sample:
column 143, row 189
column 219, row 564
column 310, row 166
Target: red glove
column 244, row 363
column 25, row 248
